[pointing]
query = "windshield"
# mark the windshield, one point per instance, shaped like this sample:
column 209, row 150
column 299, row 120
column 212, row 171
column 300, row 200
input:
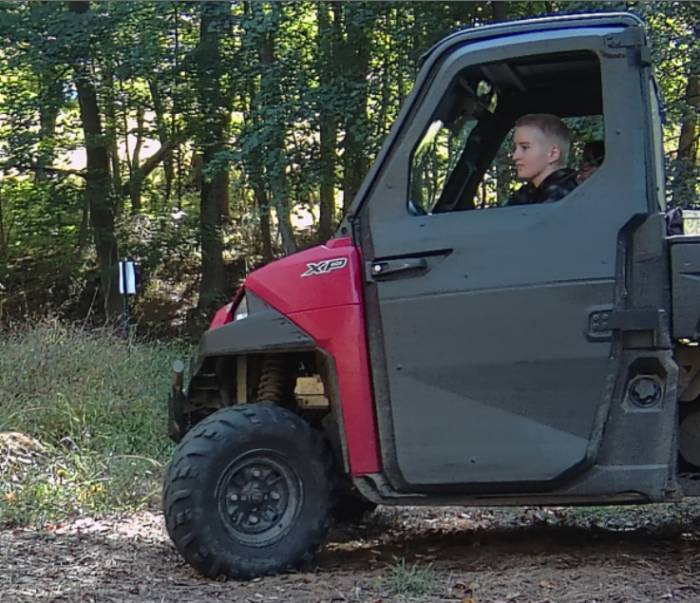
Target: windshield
column 435, row 158
column 444, row 146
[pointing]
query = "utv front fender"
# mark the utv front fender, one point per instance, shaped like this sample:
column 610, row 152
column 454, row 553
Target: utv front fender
column 263, row 331
column 213, row 368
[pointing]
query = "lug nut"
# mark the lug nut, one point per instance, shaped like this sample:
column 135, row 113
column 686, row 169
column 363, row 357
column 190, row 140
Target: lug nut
column 233, row 497
column 275, row 496
column 645, row 391
column 253, row 519
column 256, row 472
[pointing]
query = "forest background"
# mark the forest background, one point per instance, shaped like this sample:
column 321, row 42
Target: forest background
column 203, row 139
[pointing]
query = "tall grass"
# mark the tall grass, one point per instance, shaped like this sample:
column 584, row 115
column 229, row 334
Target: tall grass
column 97, row 403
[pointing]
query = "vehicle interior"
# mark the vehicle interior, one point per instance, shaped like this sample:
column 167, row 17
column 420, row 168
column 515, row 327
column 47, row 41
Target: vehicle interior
column 462, row 161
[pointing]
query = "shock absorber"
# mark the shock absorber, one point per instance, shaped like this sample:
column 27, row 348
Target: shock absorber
column 276, row 380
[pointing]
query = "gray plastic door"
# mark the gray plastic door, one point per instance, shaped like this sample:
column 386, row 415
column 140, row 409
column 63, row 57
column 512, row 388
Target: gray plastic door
column 483, row 362
column 492, row 374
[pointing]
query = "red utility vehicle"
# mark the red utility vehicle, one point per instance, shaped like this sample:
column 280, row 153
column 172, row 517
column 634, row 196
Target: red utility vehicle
column 446, row 347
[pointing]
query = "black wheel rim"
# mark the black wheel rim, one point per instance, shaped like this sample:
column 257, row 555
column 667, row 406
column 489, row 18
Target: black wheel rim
column 259, row 497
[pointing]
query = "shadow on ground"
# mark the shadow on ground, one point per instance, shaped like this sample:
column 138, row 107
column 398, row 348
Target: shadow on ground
column 488, row 556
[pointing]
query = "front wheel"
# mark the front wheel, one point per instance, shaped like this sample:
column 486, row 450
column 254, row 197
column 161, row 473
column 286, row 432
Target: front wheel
column 248, row 492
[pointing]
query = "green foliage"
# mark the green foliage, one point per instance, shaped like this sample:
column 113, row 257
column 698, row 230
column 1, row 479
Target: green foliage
column 253, row 99
column 96, row 402
column 38, row 216
column 674, row 28
column 409, row 580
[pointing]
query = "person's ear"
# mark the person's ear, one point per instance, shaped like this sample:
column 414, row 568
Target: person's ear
column 554, row 155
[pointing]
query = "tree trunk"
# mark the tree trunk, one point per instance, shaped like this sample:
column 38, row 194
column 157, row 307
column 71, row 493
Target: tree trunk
column 253, row 160
column 284, row 219
column 328, row 122
column 211, row 138
column 83, row 229
column 133, row 186
column 263, row 204
column 262, row 201
column 50, row 100
column 685, row 172
column 125, row 127
column 356, row 54
column 276, row 159
column 402, row 60
column 162, row 128
column 380, row 127
column 97, row 189
column 97, row 192
column 111, row 133
column 4, row 232
column 137, row 176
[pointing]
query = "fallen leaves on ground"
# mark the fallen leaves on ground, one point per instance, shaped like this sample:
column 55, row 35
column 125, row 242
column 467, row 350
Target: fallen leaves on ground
column 472, row 556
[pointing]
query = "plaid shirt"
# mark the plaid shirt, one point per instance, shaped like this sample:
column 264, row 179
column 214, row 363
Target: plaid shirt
column 554, row 187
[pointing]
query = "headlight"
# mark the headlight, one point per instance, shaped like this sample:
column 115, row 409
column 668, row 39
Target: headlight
column 241, row 310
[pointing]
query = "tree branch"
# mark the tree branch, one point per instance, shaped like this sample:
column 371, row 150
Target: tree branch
column 142, row 172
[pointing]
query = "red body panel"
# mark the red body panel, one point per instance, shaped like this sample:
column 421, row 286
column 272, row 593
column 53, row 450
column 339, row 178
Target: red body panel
column 222, row 316
column 320, row 290
column 225, row 314
column 282, row 284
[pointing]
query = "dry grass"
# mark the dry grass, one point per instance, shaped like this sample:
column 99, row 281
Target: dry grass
column 95, row 402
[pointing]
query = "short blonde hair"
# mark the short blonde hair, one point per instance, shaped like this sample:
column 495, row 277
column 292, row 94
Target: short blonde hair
column 553, row 128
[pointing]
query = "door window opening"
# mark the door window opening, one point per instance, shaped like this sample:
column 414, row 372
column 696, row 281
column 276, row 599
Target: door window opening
column 463, row 161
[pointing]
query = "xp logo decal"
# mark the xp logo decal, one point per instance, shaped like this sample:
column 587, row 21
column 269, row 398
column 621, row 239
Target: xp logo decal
column 314, row 269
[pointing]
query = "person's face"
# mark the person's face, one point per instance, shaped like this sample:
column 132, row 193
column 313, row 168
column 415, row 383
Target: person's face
column 534, row 155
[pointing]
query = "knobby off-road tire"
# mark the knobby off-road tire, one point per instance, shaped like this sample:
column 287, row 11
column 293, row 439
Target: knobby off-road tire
column 248, row 492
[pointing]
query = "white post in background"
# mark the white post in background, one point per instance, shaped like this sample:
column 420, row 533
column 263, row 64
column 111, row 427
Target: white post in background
column 127, row 286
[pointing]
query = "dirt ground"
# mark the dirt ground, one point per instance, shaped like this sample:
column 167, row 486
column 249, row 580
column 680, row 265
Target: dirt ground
column 465, row 555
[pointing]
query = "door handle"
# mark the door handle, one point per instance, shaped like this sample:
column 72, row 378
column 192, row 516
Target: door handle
column 382, row 268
